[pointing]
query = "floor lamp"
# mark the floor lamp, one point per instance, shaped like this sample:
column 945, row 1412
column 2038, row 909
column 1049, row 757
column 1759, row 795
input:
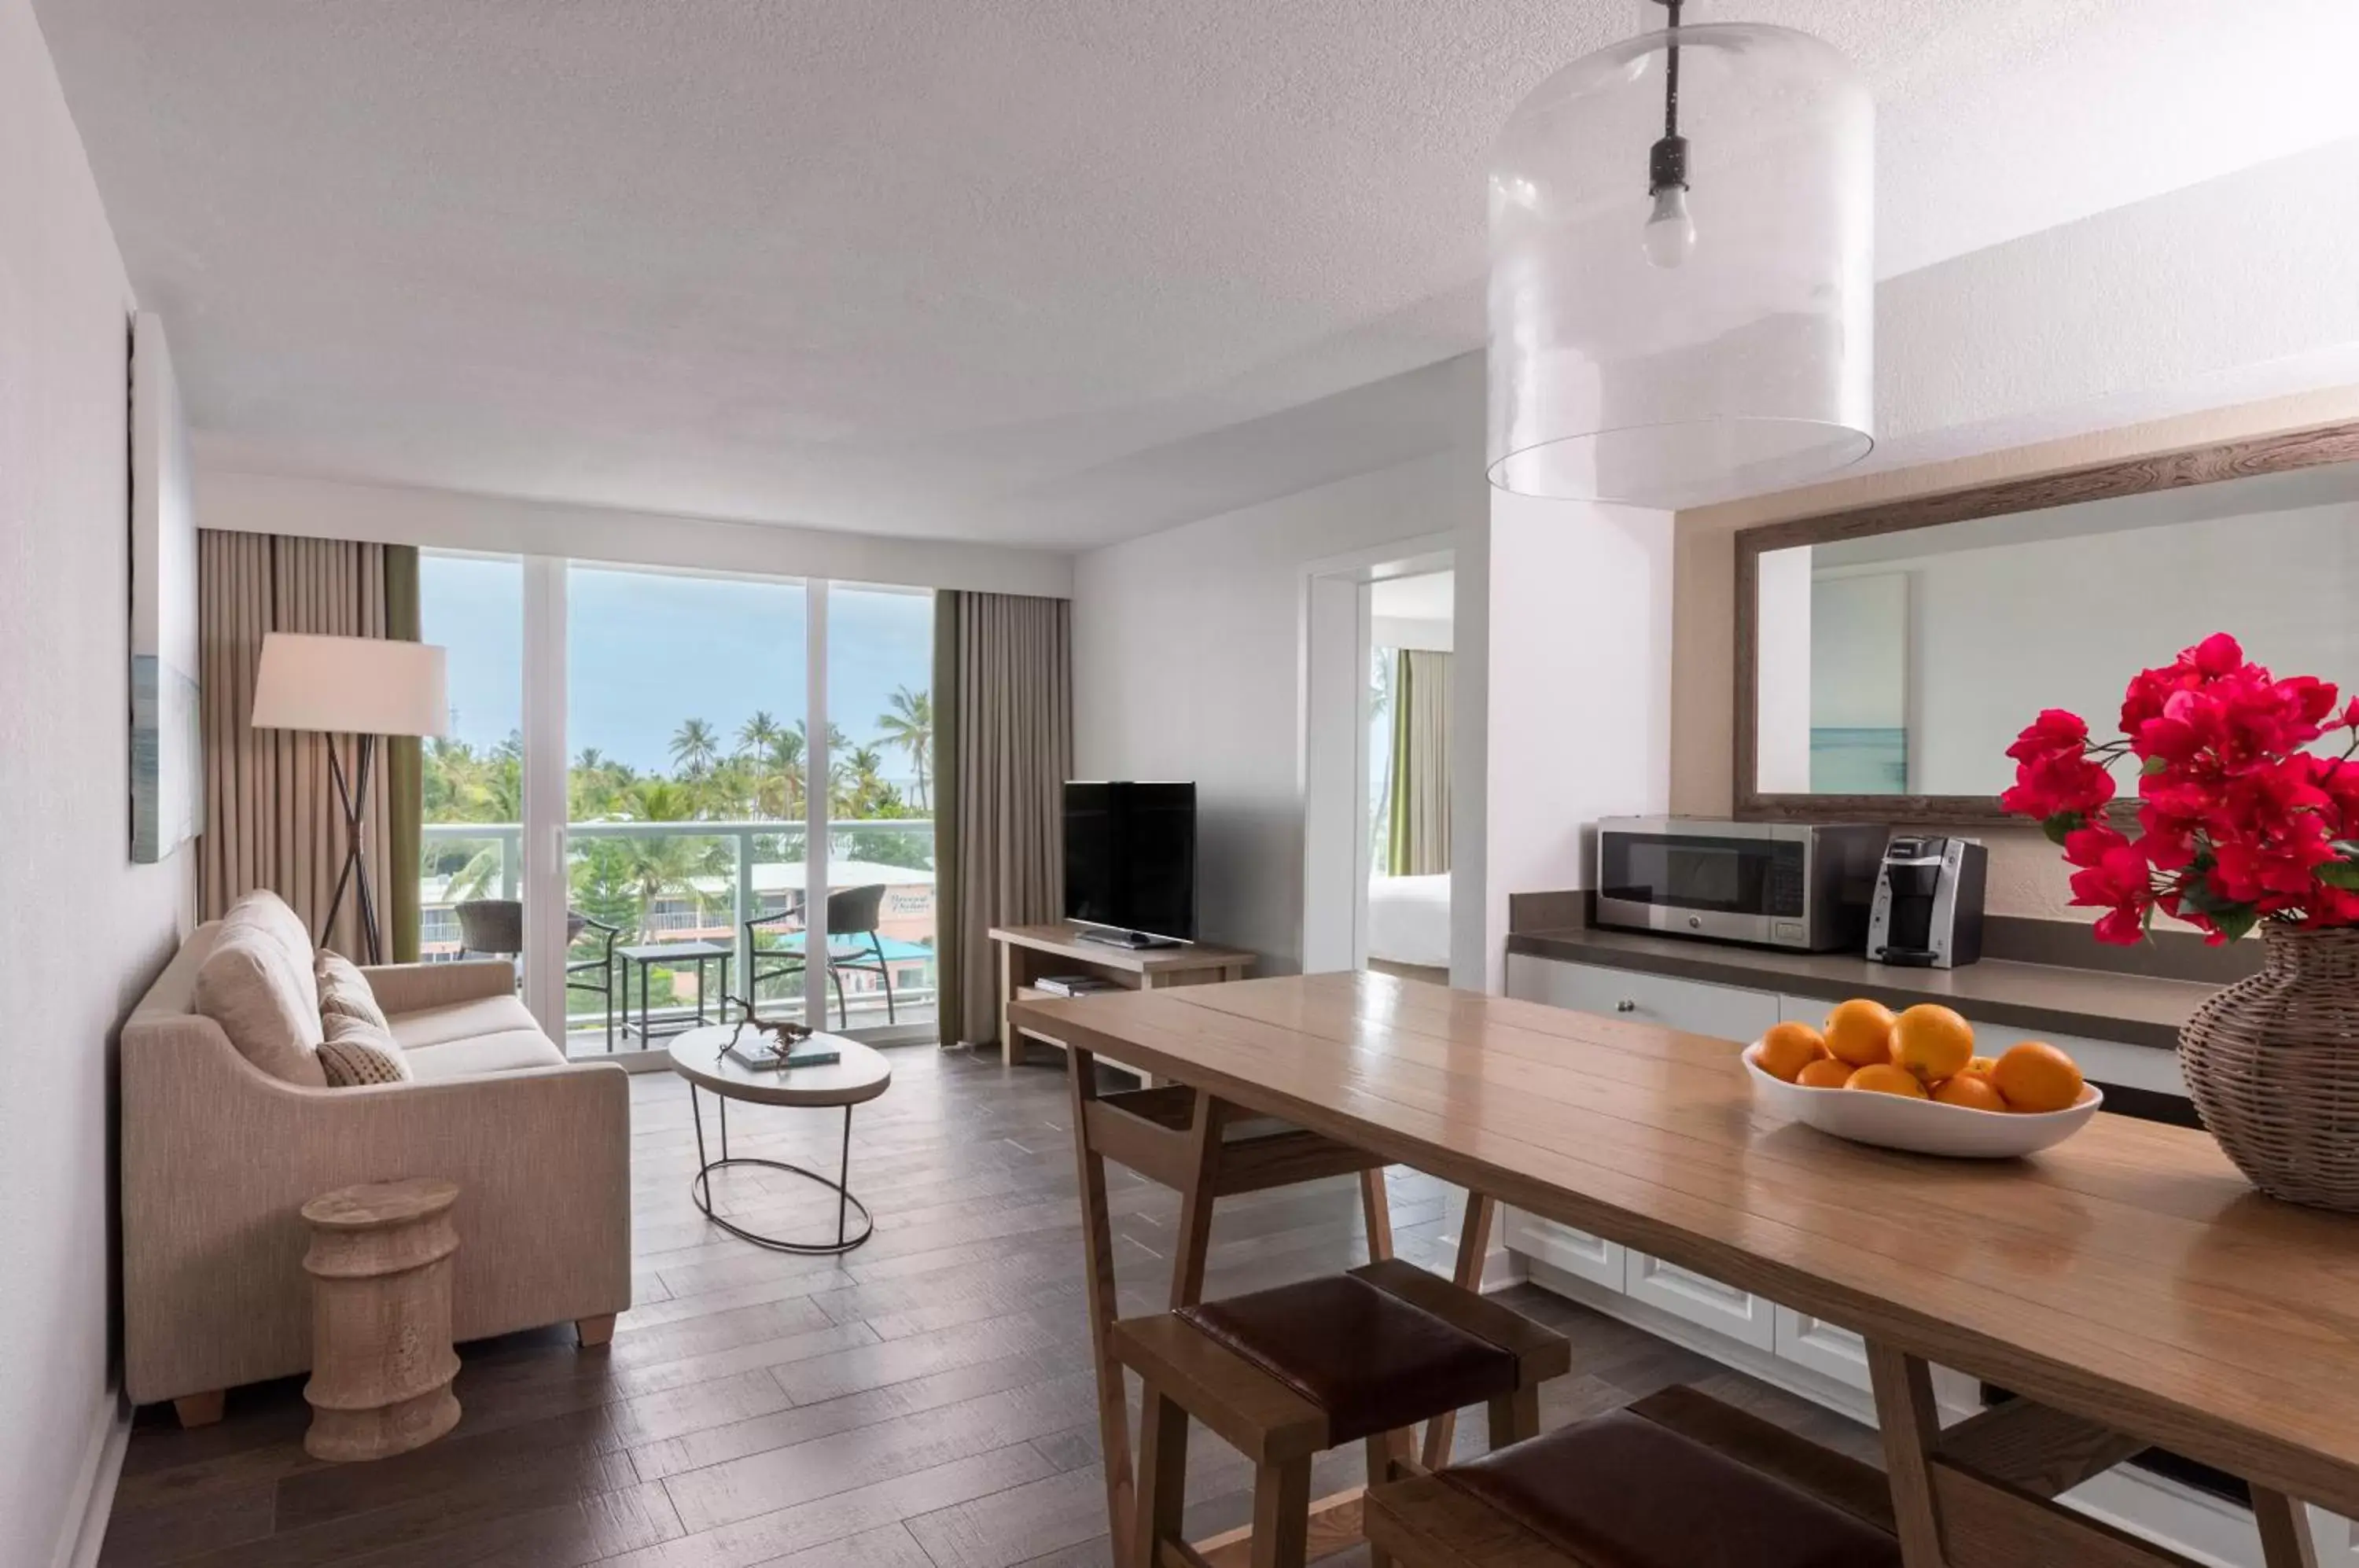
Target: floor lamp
column 363, row 687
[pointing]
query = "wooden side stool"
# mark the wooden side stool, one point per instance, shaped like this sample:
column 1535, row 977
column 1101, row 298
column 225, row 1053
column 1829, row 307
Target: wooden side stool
column 381, row 1357
column 1678, row 1480
column 1285, row 1374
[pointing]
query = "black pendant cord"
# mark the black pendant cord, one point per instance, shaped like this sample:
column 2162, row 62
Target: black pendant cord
column 1666, row 161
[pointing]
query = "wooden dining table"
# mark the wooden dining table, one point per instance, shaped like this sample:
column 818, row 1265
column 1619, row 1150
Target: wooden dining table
column 2128, row 1284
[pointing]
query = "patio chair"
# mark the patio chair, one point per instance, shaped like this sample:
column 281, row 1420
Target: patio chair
column 495, row 927
column 854, row 912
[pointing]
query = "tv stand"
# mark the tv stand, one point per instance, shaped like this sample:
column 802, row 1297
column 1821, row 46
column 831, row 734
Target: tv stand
column 1137, row 942
column 1027, row 952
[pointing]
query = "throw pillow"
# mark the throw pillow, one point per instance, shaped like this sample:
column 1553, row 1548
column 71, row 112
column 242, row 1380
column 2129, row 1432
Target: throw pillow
column 357, row 1051
column 344, row 991
column 266, row 1003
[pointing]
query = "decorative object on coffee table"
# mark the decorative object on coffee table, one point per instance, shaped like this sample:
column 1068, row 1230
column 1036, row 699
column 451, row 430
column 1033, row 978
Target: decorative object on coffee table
column 857, row 1074
column 2242, row 823
column 381, row 1357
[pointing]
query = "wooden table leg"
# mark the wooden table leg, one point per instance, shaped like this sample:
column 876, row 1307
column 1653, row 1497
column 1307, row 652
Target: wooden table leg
column 1105, row 1303
column 1193, row 1242
column 1473, row 1248
column 1376, row 1207
column 1910, row 1425
column 2286, row 1541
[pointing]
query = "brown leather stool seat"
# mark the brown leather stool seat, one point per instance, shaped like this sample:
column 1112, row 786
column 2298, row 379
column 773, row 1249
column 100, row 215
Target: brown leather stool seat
column 1285, row 1374
column 1621, row 1490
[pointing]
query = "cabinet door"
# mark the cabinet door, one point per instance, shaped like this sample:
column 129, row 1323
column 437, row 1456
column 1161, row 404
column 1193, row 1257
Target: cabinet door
column 1702, row 1300
column 1578, row 1253
column 1823, row 1347
column 1729, row 1012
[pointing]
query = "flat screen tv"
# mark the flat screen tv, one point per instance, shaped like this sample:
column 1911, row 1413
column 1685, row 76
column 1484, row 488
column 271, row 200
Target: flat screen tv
column 1130, row 861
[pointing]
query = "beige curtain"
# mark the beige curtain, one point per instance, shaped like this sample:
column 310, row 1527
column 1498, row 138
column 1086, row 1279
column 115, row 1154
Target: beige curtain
column 271, row 819
column 1003, row 749
column 1418, row 833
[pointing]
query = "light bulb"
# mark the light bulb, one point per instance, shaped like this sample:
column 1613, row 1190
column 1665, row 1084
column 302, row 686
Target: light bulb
column 1669, row 234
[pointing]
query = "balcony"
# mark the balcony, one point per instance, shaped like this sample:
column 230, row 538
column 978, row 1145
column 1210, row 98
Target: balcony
column 701, row 881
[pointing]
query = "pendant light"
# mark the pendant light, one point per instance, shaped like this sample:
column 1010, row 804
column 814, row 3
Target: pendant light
column 1681, row 294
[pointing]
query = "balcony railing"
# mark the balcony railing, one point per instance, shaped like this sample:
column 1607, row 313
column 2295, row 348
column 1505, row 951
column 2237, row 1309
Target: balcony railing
column 684, row 881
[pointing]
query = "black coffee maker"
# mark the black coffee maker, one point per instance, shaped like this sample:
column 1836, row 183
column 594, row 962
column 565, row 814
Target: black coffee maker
column 1928, row 911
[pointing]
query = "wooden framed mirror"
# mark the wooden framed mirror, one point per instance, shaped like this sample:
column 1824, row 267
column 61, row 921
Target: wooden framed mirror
column 1886, row 656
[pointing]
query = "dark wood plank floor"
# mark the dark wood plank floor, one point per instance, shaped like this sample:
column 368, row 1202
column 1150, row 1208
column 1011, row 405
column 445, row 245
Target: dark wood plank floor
column 922, row 1404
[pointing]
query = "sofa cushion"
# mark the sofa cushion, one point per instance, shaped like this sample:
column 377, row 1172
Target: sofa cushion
column 253, row 984
column 461, row 1021
column 344, row 992
column 508, row 1050
column 357, row 1051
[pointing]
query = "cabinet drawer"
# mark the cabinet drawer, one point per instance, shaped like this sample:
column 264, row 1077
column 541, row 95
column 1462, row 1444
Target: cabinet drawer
column 1823, row 1347
column 1702, row 1300
column 1729, row 1012
column 1578, row 1253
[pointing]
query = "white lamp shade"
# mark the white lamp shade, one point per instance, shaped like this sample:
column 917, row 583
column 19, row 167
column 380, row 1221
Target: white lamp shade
column 1736, row 364
column 351, row 685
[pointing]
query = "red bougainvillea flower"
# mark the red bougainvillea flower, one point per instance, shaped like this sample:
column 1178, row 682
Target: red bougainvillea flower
column 2125, row 927
column 2060, row 782
column 2054, row 732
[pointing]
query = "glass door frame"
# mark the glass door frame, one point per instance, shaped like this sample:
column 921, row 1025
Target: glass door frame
column 545, row 880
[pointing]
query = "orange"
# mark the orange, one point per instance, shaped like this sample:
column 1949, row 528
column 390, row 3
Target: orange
column 1788, row 1048
column 1980, row 1066
column 1932, row 1042
column 1826, row 1072
column 1860, row 1031
column 1971, row 1090
column 1883, row 1078
column 2036, row 1076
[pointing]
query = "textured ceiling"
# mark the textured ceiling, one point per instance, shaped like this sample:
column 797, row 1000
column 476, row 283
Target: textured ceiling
column 1000, row 269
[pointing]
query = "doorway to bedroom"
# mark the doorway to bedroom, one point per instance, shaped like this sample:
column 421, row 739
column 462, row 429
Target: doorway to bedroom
column 1379, row 760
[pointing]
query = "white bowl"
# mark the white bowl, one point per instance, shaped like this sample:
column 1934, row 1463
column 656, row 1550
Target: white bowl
column 1921, row 1127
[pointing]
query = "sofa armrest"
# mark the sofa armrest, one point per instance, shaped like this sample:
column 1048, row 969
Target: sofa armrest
column 414, row 987
column 217, row 1159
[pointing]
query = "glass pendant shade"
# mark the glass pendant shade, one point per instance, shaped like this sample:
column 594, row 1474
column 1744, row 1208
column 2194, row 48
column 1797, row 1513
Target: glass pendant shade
column 1668, row 344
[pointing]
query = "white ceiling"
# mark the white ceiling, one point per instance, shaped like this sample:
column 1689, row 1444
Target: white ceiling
column 1004, row 269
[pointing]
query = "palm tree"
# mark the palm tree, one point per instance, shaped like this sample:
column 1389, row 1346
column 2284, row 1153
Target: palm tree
column 780, row 789
column 757, row 733
column 695, row 746
column 910, row 726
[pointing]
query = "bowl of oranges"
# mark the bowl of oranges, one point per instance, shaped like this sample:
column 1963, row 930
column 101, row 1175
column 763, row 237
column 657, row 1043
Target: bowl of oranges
column 1912, row 1081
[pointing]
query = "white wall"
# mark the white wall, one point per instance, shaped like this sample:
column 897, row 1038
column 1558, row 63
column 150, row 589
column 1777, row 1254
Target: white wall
column 1580, row 692
column 447, row 519
column 64, row 792
column 1188, row 663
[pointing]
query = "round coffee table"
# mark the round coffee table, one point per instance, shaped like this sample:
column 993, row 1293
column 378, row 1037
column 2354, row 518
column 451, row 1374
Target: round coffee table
column 858, row 1074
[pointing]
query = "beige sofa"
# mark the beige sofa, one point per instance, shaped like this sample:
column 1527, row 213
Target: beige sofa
column 218, row 1156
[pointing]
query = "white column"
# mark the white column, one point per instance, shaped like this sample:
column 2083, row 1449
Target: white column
column 545, row 890
column 816, row 764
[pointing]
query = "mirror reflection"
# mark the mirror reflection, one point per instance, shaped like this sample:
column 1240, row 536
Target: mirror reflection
column 1904, row 663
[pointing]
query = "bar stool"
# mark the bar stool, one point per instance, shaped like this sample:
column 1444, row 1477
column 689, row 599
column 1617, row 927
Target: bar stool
column 1285, row 1374
column 1678, row 1480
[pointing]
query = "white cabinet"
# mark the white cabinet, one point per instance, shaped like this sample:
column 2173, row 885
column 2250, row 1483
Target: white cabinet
column 1578, row 1253
column 1727, row 1012
column 1822, row 1346
column 1746, row 1318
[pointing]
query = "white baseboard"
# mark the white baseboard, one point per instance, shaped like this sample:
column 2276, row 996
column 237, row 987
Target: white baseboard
column 93, row 1502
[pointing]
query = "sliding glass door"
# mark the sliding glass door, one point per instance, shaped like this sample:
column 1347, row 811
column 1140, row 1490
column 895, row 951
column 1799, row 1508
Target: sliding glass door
column 653, row 731
column 685, row 799
column 879, row 659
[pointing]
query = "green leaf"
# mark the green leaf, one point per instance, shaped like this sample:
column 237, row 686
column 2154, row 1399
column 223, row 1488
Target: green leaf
column 2154, row 765
column 2341, row 873
column 2062, row 823
column 2235, row 922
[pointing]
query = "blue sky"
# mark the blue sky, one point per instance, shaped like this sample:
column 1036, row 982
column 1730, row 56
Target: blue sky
column 646, row 650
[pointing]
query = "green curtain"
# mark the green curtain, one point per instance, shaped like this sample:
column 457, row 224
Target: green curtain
column 1416, row 825
column 404, row 774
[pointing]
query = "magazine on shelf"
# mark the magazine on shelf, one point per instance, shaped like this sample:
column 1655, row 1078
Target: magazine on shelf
column 1074, row 984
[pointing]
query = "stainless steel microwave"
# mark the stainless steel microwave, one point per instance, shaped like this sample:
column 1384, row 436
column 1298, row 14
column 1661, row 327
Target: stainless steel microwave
column 1804, row 885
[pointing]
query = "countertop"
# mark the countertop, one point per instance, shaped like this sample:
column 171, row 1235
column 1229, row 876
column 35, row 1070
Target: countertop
column 2133, row 1009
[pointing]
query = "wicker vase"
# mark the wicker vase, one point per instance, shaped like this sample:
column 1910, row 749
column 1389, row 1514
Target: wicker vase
column 2273, row 1064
